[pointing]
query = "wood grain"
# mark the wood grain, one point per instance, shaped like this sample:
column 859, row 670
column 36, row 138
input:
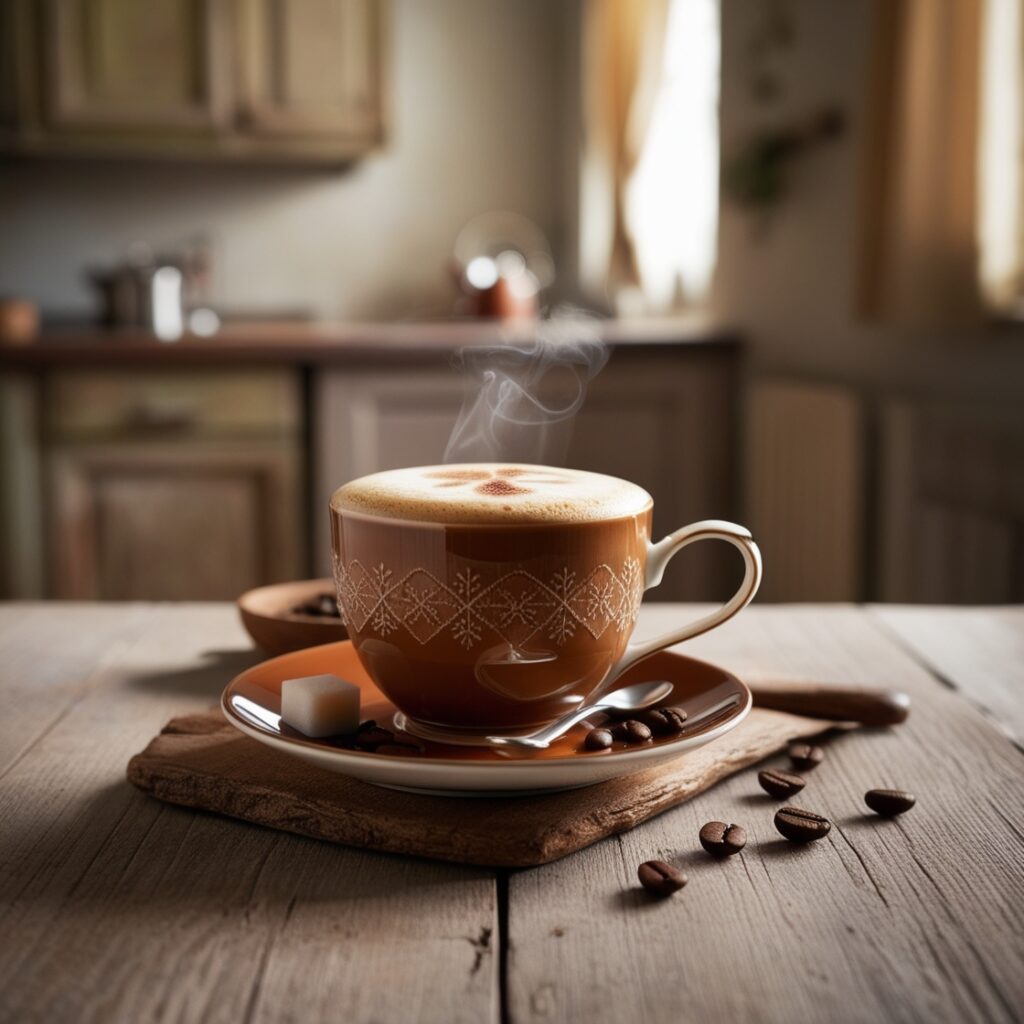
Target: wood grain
column 114, row 907
column 913, row 919
column 201, row 761
column 979, row 651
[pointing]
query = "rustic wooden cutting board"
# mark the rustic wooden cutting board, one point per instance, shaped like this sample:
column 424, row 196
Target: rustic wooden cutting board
column 201, row 761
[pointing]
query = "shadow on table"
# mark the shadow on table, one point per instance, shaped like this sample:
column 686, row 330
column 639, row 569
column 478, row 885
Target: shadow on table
column 207, row 679
column 119, row 850
column 122, row 852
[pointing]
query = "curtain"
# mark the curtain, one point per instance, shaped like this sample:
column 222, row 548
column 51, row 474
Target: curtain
column 1001, row 156
column 623, row 49
column 919, row 253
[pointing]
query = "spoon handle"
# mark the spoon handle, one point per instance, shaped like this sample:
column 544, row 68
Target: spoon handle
column 563, row 725
column 839, row 703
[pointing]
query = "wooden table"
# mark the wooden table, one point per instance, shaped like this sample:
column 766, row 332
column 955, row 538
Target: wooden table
column 114, row 907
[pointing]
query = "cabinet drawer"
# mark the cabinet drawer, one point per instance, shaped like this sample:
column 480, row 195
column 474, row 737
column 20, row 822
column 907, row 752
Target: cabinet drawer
column 213, row 403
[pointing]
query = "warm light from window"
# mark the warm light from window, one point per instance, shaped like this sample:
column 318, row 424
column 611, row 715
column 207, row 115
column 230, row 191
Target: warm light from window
column 1001, row 156
column 671, row 202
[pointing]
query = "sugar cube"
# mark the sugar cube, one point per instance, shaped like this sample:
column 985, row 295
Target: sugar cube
column 320, row 705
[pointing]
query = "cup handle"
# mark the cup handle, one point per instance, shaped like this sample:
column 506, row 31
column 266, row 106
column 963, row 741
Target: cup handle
column 660, row 554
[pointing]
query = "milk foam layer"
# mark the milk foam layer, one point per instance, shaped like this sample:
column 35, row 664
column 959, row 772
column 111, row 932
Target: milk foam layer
column 491, row 493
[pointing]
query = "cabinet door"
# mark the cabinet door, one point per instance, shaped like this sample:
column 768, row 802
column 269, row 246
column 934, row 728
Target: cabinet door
column 143, row 522
column 120, row 64
column 663, row 421
column 311, row 68
column 366, row 422
column 667, row 422
column 952, row 504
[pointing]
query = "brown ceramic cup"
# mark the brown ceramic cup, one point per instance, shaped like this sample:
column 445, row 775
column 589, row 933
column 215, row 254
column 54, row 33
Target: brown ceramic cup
column 490, row 599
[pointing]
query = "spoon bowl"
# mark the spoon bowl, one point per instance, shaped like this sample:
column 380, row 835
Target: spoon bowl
column 627, row 698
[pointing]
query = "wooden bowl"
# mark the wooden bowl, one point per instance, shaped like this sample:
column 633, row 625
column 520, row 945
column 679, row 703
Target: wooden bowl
column 269, row 619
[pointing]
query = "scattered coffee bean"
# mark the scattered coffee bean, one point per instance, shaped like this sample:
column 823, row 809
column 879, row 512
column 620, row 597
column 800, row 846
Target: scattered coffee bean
column 889, row 802
column 805, row 757
column 397, row 749
column 722, row 840
column 664, row 721
column 632, row 731
column 370, row 723
column 660, row 878
column 372, row 738
column 598, row 739
column 779, row 783
column 800, row 826
column 322, row 606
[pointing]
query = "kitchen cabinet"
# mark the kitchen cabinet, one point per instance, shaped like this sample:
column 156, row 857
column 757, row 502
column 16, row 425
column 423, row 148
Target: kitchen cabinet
column 667, row 421
column 115, row 64
column 133, row 469
column 310, row 69
column 855, row 496
column 172, row 487
column 664, row 419
column 951, row 515
column 237, row 79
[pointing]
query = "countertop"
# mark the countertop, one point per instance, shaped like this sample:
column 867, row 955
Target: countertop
column 120, row 908
column 314, row 343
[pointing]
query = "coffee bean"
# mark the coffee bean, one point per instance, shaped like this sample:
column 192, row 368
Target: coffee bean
column 660, row 878
column 805, row 757
column 370, row 739
column 780, row 784
column 800, row 826
column 598, row 739
column 397, row 749
column 325, row 605
column 722, row 840
column 632, row 731
column 889, row 802
column 664, row 721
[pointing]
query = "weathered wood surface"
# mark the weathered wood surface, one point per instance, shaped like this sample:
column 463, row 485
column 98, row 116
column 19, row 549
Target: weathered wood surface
column 914, row 919
column 979, row 651
column 114, row 907
column 202, row 761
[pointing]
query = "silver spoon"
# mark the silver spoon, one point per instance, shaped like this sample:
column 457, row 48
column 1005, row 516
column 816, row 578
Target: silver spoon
column 629, row 698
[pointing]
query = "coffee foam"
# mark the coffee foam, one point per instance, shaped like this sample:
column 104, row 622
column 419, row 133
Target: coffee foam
column 491, row 493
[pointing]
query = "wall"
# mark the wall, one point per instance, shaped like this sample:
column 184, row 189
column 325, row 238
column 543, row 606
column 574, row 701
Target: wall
column 791, row 288
column 475, row 125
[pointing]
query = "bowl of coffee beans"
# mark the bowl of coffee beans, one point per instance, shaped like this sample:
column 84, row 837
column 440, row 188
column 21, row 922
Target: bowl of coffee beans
column 288, row 617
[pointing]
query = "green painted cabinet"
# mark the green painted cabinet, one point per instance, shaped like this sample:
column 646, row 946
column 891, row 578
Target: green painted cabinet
column 228, row 79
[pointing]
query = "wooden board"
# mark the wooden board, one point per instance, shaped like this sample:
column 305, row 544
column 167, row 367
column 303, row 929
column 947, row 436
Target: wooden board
column 913, row 919
column 202, row 761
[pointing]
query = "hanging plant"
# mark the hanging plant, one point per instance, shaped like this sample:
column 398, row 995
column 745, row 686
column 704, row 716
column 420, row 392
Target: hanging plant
column 757, row 176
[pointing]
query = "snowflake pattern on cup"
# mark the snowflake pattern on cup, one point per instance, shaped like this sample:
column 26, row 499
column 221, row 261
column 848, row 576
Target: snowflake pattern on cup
column 517, row 605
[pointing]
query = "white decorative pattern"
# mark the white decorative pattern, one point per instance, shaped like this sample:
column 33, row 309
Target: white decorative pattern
column 516, row 606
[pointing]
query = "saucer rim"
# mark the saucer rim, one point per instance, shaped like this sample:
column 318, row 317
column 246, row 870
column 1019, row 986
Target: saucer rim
column 581, row 758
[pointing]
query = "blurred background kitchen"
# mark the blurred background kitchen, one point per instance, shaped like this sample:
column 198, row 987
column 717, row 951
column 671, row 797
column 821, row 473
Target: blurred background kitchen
column 242, row 241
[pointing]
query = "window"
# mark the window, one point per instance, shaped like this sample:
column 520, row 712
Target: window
column 1001, row 156
column 649, row 173
column 671, row 200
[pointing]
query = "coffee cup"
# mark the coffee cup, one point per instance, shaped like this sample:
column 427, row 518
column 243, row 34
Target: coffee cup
column 492, row 598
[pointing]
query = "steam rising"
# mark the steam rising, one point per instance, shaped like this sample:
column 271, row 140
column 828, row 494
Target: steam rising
column 522, row 396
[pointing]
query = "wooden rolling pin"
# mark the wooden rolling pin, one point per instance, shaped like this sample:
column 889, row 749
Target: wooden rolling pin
column 839, row 703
